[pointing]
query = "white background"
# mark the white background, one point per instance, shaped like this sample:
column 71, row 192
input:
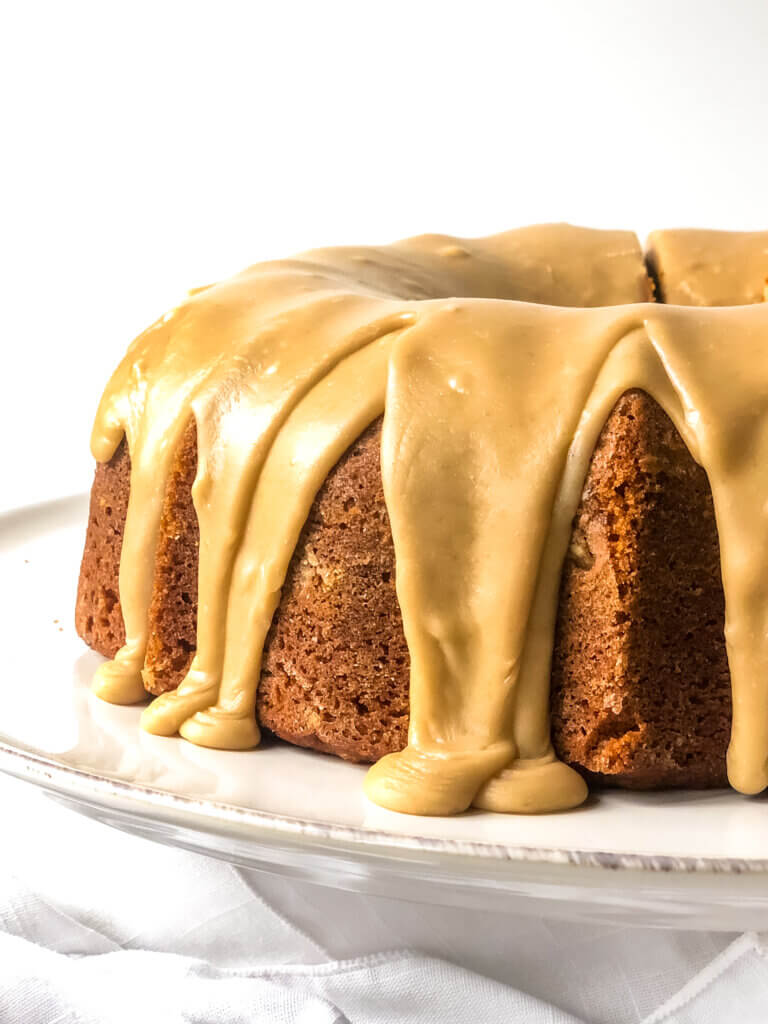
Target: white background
column 151, row 147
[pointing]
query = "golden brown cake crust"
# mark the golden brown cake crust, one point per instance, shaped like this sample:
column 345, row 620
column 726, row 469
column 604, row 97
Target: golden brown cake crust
column 335, row 668
column 98, row 617
column 640, row 682
column 640, row 679
column 173, row 611
column 336, row 663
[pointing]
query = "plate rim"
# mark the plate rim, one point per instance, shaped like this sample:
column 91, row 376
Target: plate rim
column 58, row 777
column 55, row 776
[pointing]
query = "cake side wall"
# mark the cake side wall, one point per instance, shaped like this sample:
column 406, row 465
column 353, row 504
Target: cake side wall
column 640, row 682
column 98, row 615
column 336, row 664
column 172, row 616
column 678, row 659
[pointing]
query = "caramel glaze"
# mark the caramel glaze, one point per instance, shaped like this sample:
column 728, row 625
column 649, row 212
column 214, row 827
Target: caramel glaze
column 710, row 268
column 492, row 408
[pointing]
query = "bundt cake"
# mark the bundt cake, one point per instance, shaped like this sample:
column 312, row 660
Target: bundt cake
column 406, row 504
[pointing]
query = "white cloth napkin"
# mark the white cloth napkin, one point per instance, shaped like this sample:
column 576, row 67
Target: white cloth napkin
column 97, row 926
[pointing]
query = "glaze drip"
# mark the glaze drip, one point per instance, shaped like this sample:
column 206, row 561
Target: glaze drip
column 492, row 408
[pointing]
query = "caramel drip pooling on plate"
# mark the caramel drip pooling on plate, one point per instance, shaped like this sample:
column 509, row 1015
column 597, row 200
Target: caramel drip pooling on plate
column 492, row 409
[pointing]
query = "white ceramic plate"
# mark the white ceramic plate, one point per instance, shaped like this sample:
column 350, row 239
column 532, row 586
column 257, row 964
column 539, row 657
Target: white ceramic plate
column 683, row 860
